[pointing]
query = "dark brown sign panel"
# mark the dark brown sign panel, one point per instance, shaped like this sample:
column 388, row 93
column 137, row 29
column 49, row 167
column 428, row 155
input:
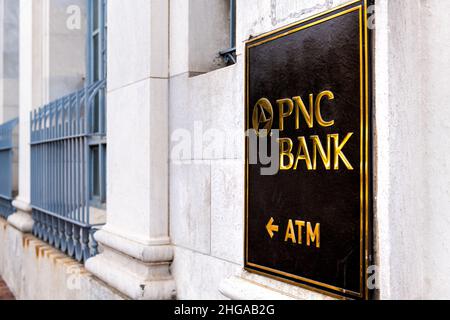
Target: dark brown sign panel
column 310, row 223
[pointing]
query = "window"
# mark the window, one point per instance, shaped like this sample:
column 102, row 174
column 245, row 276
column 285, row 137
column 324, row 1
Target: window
column 229, row 55
column 98, row 174
column 211, row 35
column 96, row 72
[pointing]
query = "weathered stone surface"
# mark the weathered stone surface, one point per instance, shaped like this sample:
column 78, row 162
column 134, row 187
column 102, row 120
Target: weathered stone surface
column 36, row 271
column 199, row 276
column 5, row 293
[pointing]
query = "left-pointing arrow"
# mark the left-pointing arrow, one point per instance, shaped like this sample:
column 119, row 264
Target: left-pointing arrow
column 271, row 228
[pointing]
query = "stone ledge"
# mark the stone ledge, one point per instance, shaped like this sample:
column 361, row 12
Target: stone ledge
column 159, row 251
column 22, row 205
column 248, row 286
column 22, row 221
column 133, row 284
column 140, row 271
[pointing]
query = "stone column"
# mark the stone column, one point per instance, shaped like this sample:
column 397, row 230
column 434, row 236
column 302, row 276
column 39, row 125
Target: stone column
column 22, row 219
column 137, row 250
column 31, row 95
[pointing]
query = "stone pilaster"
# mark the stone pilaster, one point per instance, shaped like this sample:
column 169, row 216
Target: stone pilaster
column 136, row 248
column 22, row 219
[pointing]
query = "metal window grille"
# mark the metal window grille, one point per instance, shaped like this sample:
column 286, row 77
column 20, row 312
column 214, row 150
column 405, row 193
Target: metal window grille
column 7, row 167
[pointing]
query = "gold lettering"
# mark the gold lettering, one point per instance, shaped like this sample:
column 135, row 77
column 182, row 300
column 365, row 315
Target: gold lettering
column 290, row 233
column 284, row 114
column 300, row 225
column 319, row 118
column 313, row 236
column 326, row 157
column 286, row 152
column 338, row 154
column 308, row 116
column 303, row 154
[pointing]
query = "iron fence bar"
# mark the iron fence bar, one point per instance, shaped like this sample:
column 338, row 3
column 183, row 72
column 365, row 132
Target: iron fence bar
column 6, row 197
column 56, row 215
column 60, row 136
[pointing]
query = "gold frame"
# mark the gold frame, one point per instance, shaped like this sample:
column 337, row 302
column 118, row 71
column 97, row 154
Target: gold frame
column 364, row 150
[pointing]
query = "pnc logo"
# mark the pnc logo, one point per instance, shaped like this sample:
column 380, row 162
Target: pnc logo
column 262, row 118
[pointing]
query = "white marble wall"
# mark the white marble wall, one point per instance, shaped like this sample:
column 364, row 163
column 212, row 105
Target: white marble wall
column 413, row 175
column 206, row 193
column 400, row 202
column 436, row 169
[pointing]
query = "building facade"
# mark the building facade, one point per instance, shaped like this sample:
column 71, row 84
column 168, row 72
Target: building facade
column 122, row 148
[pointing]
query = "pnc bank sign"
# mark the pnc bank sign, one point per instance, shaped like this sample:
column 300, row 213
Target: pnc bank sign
column 304, row 152
column 308, row 100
